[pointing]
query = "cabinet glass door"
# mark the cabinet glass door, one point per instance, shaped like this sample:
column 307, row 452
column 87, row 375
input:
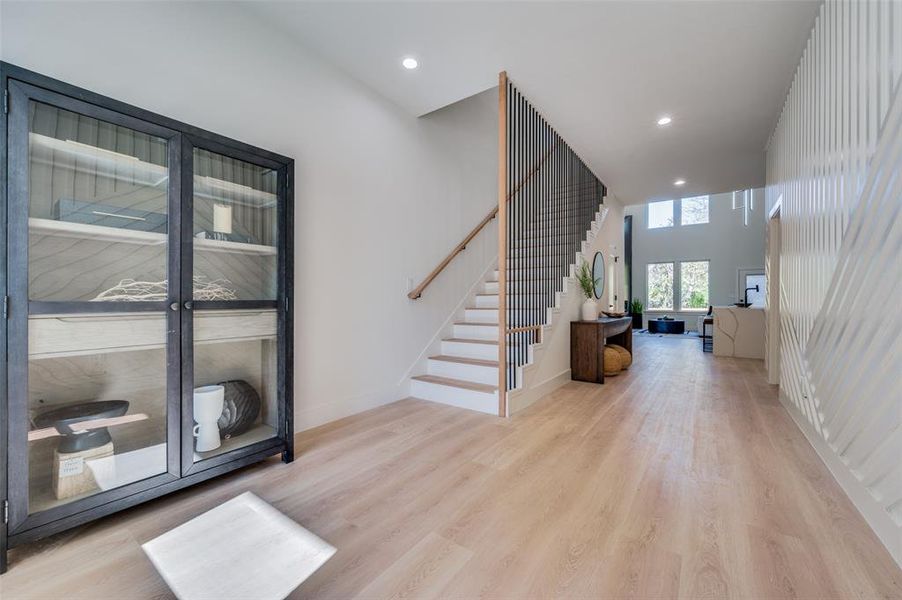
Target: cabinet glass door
column 90, row 194
column 234, row 396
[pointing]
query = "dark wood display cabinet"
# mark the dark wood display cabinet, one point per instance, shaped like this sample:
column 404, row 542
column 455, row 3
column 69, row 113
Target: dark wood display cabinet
column 146, row 272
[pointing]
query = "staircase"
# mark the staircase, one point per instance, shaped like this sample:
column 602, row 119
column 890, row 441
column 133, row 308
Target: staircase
column 548, row 201
column 464, row 372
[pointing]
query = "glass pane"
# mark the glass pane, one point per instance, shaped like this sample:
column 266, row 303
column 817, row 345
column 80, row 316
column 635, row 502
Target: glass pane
column 97, row 404
column 235, row 396
column 694, row 284
column 660, row 214
column 694, row 211
column 235, row 213
column 660, row 286
column 98, row 200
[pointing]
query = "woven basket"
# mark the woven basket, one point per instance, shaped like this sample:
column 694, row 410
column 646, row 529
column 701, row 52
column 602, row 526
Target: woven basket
column 626, row 359
column 612, row 362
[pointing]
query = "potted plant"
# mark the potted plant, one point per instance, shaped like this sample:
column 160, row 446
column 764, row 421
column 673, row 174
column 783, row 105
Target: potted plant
column 636, row 308
column 589, row 310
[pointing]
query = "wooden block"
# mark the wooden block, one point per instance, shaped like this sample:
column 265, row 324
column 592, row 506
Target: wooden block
column 71, row 476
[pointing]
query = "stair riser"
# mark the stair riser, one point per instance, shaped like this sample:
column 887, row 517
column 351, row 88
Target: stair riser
column 473, row 400
column 532, row 299
column 480, row 315
column 483, row 351
column 516, row 313
column 486, row 301
column 490, row 287
column 465, row 372
column 476, row 332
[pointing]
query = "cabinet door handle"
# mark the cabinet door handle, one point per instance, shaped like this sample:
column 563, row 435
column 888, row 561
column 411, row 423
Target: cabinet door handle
column 174, row 306
column 189, row 305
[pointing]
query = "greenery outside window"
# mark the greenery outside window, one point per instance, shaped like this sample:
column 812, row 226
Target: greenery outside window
column 659, row 286
column 694, row 211
column 694, row 285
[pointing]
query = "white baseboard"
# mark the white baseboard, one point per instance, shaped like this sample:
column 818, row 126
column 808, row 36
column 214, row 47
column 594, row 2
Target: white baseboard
column 876, row 517
column 527, row 396
column 309, row 416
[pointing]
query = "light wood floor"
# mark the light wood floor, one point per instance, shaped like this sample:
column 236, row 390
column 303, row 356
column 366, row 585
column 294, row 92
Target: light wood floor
column 683, row 478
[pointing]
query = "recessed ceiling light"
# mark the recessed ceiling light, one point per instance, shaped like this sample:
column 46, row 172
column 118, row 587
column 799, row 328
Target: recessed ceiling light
column 679, row 182
column 665, row 120
column 410, row 63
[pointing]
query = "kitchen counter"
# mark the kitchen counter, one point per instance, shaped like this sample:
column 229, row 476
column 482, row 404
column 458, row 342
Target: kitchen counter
column 739, row 331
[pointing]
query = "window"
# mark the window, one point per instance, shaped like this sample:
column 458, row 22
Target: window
column 694, row 211
column 660, row 286
column 756, row 298
column 694, row 285
column 660, row 214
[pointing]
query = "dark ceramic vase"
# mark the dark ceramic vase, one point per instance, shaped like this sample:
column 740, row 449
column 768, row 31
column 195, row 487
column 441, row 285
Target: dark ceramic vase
column 240, row 409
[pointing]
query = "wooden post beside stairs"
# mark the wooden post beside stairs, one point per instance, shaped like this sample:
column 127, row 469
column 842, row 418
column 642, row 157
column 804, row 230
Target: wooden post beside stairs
column 502, row 244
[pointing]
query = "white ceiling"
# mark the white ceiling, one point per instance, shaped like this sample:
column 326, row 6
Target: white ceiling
column 601, row 72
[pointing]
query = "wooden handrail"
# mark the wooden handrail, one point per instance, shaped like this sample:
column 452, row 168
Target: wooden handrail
column 418, row 291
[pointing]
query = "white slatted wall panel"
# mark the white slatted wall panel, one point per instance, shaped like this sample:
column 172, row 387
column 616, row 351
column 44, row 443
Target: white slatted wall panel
column 835, row 159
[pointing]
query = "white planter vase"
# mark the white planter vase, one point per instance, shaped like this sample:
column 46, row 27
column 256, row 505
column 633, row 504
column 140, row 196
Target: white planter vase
column 589, row 310
column 208, row 403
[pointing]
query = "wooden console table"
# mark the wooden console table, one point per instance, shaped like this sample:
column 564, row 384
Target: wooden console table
column 587, row 340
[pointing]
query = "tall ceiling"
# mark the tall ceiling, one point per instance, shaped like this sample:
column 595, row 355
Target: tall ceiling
column 601, row 72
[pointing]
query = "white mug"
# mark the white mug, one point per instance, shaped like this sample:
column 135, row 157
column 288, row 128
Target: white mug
column 208, row 403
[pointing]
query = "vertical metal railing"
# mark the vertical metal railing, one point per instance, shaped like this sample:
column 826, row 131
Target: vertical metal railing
column 547, row 200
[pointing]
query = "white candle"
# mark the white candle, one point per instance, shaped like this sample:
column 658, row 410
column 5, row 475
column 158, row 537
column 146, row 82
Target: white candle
column 222, row 218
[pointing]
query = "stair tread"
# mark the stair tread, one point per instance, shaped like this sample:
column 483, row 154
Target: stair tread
column 465, row 360
column 458, row 383
column 488, row 294
column 474, row 341
column 480, row 323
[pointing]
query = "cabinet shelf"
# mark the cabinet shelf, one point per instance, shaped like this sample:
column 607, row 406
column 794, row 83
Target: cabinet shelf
column 121, row 469
column 258, row 433
column 58, row 336
column 90, row 159
column 100, row 233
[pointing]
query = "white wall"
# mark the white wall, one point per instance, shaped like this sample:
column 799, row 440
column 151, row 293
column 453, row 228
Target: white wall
column 381, row 196
column 724, row 240
column 833, row 165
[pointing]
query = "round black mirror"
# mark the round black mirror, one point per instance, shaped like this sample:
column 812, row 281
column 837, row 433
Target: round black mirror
column 598, row 273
